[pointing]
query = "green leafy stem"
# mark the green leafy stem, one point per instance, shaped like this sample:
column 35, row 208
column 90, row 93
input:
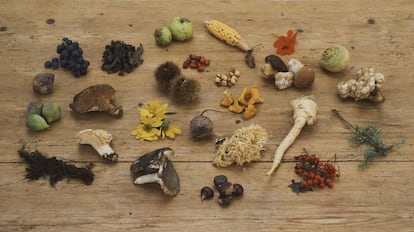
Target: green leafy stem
column 369, row 135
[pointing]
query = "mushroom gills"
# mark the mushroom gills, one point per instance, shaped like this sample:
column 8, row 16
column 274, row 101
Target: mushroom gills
column 155, row 167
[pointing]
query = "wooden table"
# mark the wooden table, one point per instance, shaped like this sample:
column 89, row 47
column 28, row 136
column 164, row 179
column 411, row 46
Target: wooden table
column 377, row 199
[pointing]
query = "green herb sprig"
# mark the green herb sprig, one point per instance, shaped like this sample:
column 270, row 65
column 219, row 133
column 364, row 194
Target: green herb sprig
column 370, row 135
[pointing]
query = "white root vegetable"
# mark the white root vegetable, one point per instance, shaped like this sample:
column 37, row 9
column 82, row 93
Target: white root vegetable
column 304, row 113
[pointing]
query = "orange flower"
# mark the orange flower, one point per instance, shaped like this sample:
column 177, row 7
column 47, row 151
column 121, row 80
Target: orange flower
column 286, row 44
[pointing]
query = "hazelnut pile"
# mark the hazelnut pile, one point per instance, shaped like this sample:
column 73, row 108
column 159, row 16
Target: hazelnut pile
column 229, row 79
column 196, row 62
column 227, row 191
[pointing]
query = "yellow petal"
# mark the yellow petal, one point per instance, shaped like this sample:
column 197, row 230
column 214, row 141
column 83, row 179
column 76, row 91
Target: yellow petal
column 171, row 131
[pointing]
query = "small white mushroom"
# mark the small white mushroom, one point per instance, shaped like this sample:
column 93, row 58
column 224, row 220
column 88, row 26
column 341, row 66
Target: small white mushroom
column 100, row 140
column 283, row 80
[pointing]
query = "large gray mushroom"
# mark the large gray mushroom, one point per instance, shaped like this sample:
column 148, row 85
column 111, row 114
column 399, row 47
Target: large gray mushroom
column 155, row 167
column 100, row 97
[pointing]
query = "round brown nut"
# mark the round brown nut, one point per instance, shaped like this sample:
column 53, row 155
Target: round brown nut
column 304, row 78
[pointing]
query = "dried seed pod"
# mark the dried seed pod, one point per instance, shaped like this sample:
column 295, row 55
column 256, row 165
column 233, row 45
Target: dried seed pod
column 219, row 180
column 166, row 73
column 185, row 91
column 201, row 126
column 238, row 190
column 225, row 189
column 224, row 200
column 43, row 83
column 206, row 193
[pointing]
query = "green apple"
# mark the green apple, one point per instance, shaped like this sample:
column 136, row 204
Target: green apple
column 163, row 36
column 181, row 28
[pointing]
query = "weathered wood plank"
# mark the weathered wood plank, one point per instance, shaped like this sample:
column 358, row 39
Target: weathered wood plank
column 376, row 199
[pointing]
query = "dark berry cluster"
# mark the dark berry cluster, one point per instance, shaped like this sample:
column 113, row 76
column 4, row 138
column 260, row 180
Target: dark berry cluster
column 226, row 190
column 314, row 173
column 70, row 57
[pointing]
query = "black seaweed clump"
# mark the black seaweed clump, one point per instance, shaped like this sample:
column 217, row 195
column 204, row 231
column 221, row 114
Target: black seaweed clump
column 121, row 57
column 40, row 166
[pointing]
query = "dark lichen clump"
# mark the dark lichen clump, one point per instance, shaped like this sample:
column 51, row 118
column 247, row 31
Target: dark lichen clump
column 121, row 57
column 40, row 166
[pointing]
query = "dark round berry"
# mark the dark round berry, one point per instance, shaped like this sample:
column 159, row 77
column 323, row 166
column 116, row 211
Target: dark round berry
column 224, row 200
column 219, row 180
column 48, row 64
column 75, row 44
column 60, row 48
column 237, row 190
column 206, row 193
column 55, row 63
column 75, row 54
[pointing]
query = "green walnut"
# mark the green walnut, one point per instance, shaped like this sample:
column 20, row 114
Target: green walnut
column 51, row 112
column 181, row 28
column 163, row 36
column 36, row 122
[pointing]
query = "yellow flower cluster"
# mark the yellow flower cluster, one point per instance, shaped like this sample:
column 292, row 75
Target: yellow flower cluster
column 154, row 123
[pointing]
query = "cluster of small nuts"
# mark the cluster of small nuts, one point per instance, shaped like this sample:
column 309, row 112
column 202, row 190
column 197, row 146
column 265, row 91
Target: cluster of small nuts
column 227, row 191
column 196, row 62
column 228, row 79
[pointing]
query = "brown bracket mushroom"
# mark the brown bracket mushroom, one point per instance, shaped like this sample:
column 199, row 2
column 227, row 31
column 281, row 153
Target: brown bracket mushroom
column 99, row 97
column 99, row 140
column 155, row 167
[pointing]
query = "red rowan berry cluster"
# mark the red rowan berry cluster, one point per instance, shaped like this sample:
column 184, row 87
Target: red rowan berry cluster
column 315, row 172
column 196, row 62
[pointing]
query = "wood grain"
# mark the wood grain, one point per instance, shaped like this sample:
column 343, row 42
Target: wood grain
column 377, row 199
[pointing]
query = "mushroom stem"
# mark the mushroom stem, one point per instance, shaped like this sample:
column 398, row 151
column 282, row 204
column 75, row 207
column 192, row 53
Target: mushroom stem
column 99, row 140
column 149, row 178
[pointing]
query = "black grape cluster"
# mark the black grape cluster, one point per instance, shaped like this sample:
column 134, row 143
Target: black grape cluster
column 70, row 57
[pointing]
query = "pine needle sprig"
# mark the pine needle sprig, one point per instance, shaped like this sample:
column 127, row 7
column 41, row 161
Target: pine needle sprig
column 369, row 135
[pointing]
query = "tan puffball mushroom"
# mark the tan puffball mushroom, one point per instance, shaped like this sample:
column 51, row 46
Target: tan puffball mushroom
column 367, row 85
column 305, row 110
column 155, row 167
column 100, row 140
column 100, row 97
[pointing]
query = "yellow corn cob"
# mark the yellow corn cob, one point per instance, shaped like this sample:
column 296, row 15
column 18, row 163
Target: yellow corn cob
column 227, row 34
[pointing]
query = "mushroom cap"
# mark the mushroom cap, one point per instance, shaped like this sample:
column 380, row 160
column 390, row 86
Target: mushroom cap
column 277, row 63
column 98, row 97
column 304, row 78
column 156, row 167
column 99, row 139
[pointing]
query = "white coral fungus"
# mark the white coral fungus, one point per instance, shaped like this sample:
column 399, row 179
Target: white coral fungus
column 242, row 147
column 367, row 85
